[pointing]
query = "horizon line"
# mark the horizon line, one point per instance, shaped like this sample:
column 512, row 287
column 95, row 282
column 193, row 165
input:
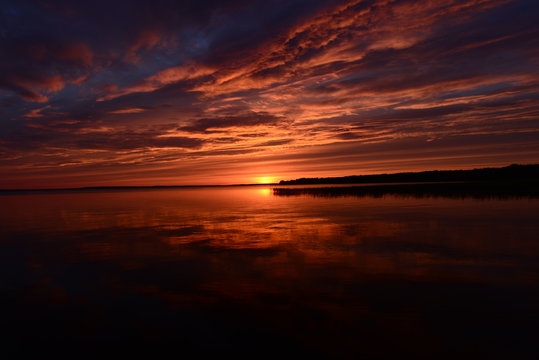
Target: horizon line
column 105, row 187
column 118, row 187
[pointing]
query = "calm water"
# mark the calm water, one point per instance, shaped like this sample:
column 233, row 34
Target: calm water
column 244, row 271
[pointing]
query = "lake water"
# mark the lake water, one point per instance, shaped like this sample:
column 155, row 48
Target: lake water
column 247, row 272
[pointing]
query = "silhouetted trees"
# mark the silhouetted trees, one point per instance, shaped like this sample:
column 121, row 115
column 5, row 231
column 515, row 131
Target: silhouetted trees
column 513, row 172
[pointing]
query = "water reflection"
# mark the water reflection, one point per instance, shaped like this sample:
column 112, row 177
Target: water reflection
column 238, row 270
column 462, row 190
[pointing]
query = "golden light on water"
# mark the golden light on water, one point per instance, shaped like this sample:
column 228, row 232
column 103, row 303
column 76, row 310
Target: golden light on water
column 265, row 192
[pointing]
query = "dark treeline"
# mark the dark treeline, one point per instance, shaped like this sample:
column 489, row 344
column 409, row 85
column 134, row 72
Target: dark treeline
column 508, row 173
column 475, row 190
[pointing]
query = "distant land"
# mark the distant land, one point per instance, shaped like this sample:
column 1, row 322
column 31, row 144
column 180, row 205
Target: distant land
column 509, row 174
column 120, row 187
column 513, row 172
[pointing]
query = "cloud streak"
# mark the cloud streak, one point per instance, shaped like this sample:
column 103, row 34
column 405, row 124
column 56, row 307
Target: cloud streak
column 245, row 82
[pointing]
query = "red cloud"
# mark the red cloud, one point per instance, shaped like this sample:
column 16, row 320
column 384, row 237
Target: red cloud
column 31, row 88
column 78, row 53
column 146, row 40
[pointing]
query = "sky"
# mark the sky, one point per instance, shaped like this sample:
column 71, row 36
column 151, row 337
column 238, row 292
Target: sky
column 162, row 92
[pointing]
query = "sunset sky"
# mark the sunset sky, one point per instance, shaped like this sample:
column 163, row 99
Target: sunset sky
column 118, row 92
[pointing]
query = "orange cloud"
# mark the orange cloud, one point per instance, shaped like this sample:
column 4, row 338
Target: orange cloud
column 127, row 111
column 36, row 113
column 162, row 78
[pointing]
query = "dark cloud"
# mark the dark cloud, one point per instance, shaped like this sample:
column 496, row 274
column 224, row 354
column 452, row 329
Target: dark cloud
column 45, row 40
column 76, row 138
column 246, row 120
column 348, row 136
column 278, row 142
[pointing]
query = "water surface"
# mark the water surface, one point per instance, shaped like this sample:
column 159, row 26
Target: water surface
column 250, row 272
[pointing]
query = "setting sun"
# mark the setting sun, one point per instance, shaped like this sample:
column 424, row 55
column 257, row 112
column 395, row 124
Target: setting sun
column 266, row 180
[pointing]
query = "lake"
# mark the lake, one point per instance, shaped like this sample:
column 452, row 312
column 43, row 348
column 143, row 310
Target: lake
column 257, row 273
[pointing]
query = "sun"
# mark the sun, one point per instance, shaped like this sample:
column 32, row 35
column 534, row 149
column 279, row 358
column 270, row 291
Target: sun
column 265, row 180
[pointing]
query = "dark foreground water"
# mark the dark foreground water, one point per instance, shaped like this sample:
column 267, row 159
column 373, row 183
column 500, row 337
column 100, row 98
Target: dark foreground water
column 257, row 274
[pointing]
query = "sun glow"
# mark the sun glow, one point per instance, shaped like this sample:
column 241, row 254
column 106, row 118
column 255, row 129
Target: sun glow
column 265, row 180
column 264, row 192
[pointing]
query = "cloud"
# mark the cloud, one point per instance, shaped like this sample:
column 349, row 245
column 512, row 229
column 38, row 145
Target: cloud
column 236, row 80
column 241, row 121
column 128, row 111
column 31, row 87
column 277, row 142
column 161, row 79
column 73, row 135
column 348, row 136
column 77, row 53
